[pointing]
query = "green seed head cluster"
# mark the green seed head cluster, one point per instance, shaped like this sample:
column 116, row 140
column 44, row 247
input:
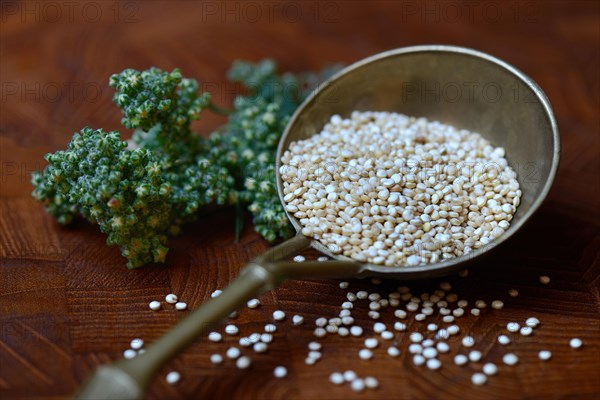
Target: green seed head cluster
column 140, row 196
column 120, row 190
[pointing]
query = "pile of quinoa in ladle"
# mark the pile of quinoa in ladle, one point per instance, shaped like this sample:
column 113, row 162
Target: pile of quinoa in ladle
column 390, row 189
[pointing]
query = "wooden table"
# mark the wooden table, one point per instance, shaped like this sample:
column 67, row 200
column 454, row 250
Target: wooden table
column 68, row 304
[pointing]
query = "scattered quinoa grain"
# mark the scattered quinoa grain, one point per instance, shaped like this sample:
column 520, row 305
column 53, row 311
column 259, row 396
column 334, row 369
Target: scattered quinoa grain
column 280, row 372
column 365, row 354
column 497, row 304
column 503, row 340
column 393, row 351
column 513, row 327
column 253, row 303
column 336, row 378
column 278, row 315
column 129, row 354
column 544, row 279
column 180, row 305
column 231, row 330
column 154, row 305
column 173, row 377
column 136, row 344
column 510, row 359
column 545, row 355
column 575, row 343
column 460, row 359
column 216, row 358
column 215, row 337
column 478, row 379
column 357, row 385
column 297, row 320
column 243, row 362
column 171, row 298
column 490, row 369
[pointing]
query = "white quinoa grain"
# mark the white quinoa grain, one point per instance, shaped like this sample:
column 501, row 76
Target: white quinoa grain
column 443, row 347
column 475, row 356
column 415, row 348
column 314, row 346
column 490, row 369
column 416, row 337
column 154, row 305
column 356, row 330
column 399, row 326
column 216, row 358
column 526, row 331
column 171, row 298
column 336, row 378
column 513, row 293
column 503, row 340
column 393, row 351
column 266, row 337
column 429, row 352
column 371, row 343
column 215, row 337
column 545, row 355
column 173, row 377
column 434, row 363
column 280, row 372
column 136, row 344
column 532, row 322
column 278, row 315
column 344, row 285
column 460, row 359
column 357, row 385
column 233, row 352
column 270, row 328
column 365, row 354
column 129, row 354
column 253, row 303
column 387, row 335
column 575, row 343
column 468, row 341
column 231, row 329
column 513, row 327
column 379, row 327
column 243, row 362
column 216, row 293
column 297, row 320
column 349, row 375
column 260, row 347
column 320, row 332
column 510, row 359
column 299, row 259
column 478, row 379
column 371, row 382
column 418, row 360
column 180, row 305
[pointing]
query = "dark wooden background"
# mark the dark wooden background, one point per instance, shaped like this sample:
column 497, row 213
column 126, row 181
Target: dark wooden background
column 68, row 304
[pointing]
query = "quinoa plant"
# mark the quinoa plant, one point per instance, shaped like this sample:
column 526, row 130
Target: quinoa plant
column 142, row 191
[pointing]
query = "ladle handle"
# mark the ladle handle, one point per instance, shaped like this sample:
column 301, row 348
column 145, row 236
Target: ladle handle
column 127, row 379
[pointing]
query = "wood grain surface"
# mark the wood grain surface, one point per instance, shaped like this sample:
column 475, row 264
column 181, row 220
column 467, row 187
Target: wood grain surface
column 68, row 304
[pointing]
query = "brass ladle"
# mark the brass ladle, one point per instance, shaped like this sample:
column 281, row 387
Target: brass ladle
column 454, row 85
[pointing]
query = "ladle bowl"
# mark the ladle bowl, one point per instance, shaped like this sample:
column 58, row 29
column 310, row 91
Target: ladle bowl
column 454, row 85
